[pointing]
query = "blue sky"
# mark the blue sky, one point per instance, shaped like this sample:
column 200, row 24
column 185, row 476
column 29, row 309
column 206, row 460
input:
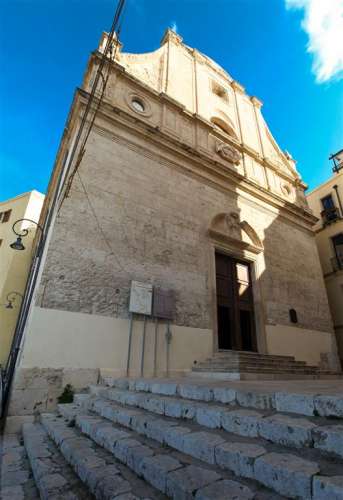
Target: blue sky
column 261, row 43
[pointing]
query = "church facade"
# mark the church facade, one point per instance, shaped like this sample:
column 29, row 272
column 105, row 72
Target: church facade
column 182, row 187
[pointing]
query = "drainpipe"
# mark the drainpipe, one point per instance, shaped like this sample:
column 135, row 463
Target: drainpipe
column 339, row 199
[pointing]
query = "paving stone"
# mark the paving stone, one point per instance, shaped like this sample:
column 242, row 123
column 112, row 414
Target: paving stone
column 174, row 437
column 198, row 392
column 239, row 457
column 166, row 388
column 209, row 416
column 287, row 474
column 125, row 417
column 286, row 430
column 108, row 436
column 327, row 488
column 81, row 398
column 182, row 483
column 329, row 406
column 111, row 486
column 135, row 455
column 225, row 490
column 156, row 429
column 15, row 478
column 155, row 470
column 154, row 404
column 189, row 409
column 143, row 385
column 329, row 439
column 263, row 401
column 202, row 445
column 12, row 493
column 224, row 395
column 139, row 422
column 242, row 422
column 122, row 448
column 295, row 403
column 173, row 407
column 121, row 383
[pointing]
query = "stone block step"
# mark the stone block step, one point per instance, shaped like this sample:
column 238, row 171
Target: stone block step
column 287, row 474
column 105, row 477
column 254, row 359
column 248, row 354
column 254, row 362
column 277, row 428
column 302, row 403
column 16, row 478
column 256, row 368
column 173, row 474
column 54, row 477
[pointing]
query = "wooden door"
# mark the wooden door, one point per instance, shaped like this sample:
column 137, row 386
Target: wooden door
column 235, row 311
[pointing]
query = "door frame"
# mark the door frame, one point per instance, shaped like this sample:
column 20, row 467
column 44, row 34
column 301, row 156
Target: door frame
column 256, row 261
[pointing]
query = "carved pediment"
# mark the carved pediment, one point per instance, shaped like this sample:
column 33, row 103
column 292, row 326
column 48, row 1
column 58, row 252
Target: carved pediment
column 228, row 228
column 228, row 152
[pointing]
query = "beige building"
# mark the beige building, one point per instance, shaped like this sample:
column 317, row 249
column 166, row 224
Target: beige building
column 326, row 202
column 181, row 187
column 14, row 266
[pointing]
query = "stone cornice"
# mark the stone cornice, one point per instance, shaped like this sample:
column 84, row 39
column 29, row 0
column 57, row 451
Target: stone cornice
column 203, row 165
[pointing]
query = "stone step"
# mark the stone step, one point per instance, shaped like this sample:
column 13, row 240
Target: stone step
column 309, row 403
column 174, row 474
column 238, row 364
column 16, row 480
column 254, row 362
column 54, row 477
column 248, row 354
column 105, row 476
column 262, row 361
column 287, row 474
column 278, row 428
column 255, row 368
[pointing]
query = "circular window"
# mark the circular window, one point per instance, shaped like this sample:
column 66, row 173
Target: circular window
column 138, row 105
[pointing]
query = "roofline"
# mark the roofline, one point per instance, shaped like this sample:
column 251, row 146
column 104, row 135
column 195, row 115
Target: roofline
column 27, row 193
column 324, row 183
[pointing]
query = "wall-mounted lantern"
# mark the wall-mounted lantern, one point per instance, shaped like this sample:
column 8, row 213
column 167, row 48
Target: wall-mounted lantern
column 10, row 297
column 18, row 244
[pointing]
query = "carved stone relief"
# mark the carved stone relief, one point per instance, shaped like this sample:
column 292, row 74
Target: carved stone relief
column 228, row 152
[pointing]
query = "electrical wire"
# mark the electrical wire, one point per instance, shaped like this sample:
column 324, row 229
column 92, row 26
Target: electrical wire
column 115, row 28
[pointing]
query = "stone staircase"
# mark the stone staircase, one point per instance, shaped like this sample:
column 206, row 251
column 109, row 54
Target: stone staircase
column 244, row 365
column 130, row 439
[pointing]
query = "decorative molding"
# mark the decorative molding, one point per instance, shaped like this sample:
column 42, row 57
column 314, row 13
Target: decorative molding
column 228, row 152
column 256, row 102
column 171, row 36
column 227, row 228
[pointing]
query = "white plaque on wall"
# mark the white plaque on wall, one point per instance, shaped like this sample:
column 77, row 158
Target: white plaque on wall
column 140, row 298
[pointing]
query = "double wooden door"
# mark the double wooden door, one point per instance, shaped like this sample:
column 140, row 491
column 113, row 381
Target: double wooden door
column 235, row 311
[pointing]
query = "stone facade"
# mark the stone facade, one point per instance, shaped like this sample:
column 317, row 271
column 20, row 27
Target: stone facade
column 180, row 163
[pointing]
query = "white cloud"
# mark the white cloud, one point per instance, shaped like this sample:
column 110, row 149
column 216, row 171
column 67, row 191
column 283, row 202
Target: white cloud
column 323, row 23
column 174, row 26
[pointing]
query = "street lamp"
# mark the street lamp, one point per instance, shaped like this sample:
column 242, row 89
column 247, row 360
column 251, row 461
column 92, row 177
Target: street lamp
column 18, row 244
column 10, row 297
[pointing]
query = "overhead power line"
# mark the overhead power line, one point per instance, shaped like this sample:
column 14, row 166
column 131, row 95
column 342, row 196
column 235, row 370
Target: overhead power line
column 112, row 36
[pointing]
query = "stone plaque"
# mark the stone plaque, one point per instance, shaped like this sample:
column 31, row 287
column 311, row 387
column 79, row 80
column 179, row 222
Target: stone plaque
column 140, row 298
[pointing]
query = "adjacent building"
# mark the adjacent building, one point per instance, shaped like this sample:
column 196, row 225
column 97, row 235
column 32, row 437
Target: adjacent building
column 182, row 188
column 14, row 266
column 326, row 202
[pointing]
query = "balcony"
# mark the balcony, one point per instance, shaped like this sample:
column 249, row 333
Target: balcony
column 329, row 215
column 337, row 263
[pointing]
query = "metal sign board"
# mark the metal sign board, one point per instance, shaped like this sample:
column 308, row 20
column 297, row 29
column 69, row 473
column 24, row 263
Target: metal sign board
column 140, row 298
column 164, row 304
